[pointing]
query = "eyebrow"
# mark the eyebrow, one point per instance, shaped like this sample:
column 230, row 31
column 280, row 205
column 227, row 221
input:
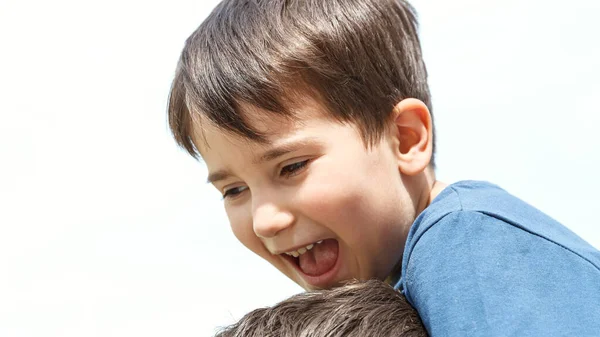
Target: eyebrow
column 269, row 155
column 217, row 176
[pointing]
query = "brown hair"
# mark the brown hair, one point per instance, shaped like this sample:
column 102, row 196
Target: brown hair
column 360, row 309
column 358, row 57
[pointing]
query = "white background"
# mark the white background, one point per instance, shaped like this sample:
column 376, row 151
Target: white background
column 108, row 229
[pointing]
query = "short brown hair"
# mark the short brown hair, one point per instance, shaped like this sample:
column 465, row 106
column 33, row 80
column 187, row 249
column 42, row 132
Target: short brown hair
column 358, row 57
column 359, row 309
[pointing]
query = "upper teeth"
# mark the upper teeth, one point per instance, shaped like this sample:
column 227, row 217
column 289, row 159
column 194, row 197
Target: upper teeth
column 296, row 253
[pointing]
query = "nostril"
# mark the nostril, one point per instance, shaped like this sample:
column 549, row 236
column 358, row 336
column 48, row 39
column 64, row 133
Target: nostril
column 267, row 230
column 268, row 221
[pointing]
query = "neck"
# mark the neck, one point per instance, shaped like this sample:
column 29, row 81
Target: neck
column 432, row 188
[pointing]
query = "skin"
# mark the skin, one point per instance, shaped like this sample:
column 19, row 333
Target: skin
column 325, row 184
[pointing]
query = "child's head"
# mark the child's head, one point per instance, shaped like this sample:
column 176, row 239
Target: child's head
column 313, row 118
column 369, row 309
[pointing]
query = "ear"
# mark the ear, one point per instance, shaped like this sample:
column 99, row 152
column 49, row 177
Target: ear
column 413, row 136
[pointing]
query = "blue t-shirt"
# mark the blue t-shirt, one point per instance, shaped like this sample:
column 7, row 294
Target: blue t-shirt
column 480, row 262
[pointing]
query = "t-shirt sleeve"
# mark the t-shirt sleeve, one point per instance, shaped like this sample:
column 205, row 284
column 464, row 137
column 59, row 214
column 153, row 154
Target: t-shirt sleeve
column 471, row 274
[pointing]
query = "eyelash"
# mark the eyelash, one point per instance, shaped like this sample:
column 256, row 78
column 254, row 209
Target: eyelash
column 287, row 172
column 292, row 169
column 230, row 194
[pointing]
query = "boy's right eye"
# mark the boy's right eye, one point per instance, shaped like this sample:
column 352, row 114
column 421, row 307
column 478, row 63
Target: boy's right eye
column 234, row 192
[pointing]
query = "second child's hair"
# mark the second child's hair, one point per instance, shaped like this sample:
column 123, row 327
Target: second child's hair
column 358, row 58
column 361, row 309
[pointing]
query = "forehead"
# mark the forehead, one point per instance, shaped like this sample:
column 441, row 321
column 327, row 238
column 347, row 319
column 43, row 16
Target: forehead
column 309, row 115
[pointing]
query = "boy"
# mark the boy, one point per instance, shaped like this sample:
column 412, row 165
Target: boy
column 314, row 120
column 369, row 309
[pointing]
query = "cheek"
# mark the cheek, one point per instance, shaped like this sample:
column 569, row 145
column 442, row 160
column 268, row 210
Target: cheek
column 362, row 206
column 338, row 202
column 241, row 225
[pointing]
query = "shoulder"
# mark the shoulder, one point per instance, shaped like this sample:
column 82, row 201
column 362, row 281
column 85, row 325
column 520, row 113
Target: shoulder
column 473, row 272
column 478, row 216
column 480, row 261
column 476, row 239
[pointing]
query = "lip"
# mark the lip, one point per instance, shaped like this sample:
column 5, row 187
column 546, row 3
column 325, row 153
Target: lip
column 322, row 281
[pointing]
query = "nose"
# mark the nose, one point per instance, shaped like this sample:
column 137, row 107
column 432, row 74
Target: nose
column 270, row 219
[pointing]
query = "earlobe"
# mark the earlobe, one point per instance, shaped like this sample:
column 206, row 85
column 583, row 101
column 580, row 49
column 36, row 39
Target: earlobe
column 414, row 131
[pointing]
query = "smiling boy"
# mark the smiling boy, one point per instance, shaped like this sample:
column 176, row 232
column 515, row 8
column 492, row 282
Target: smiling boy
column 313, row 203
column 314, row 120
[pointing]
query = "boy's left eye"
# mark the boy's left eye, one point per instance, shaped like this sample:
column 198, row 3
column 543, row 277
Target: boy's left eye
column 292, row 169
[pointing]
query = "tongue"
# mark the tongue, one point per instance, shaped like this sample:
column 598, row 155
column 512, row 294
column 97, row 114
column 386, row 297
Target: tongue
column 320, row 259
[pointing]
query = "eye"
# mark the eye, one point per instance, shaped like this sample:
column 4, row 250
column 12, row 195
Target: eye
column 234, row 192
column 292, row 169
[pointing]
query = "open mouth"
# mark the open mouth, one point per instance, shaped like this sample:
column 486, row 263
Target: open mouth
column 315, row 259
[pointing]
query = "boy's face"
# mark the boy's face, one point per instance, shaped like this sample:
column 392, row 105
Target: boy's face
column 315, row 202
